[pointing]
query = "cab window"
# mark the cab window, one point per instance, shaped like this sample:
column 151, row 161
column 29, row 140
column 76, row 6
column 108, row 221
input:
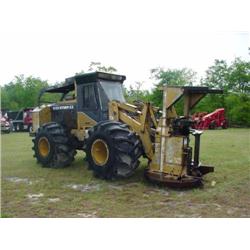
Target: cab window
column 89, row 97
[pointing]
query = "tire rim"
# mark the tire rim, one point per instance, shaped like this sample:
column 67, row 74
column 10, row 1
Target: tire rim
column 100, row 152
column 43, row 146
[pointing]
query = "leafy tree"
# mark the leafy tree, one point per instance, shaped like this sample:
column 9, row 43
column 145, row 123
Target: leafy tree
column 97, row 66
column 21, row 92
column 234, row 79
column 238, row 109
column 173, row 77
column 136, row 93
column 239, row 76
column 217, row 75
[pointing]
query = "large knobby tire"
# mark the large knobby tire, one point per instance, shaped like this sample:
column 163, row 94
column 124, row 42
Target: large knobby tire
column 112, row 150
column 53, row 147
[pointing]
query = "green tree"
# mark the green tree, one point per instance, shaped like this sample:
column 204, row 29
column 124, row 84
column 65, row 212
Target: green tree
column 238, row 109
column 97, row 66
column 234, row 79
column 174, row 77
column 136, row 93
column 22, row 92
column 239, row 76
column 217, row 75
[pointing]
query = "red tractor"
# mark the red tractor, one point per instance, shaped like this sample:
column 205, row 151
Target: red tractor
column 216, row 119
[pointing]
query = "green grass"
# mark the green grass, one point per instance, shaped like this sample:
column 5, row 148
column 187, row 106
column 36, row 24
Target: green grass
column 228, row 150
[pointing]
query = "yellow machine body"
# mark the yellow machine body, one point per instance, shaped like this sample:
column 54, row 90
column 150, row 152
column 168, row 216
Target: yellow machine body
column 164, row 140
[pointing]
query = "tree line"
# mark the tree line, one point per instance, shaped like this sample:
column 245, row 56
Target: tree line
column 233, row 78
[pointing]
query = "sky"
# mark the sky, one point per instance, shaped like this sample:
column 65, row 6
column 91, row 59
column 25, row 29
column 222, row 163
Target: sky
column 55, row 39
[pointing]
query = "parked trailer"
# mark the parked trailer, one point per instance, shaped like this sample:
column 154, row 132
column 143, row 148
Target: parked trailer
column 21, row 120
column 216, row 119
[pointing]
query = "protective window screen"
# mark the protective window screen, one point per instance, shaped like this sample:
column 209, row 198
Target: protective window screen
column 113, row 90
column 89, row 98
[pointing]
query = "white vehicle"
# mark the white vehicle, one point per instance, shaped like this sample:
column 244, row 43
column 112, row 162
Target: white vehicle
column 5, row 125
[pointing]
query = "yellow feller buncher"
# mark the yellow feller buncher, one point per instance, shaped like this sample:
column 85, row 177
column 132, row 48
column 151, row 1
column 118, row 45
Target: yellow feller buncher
column 92, row 115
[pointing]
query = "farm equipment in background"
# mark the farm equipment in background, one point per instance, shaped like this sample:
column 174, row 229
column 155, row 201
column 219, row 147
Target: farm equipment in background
column 5, row 125
column 216, row 119
column 21, row 120
column 93, row 116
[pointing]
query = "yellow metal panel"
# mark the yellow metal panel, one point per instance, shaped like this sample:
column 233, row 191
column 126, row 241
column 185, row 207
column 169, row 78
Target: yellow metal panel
column 173, row 94
column 44, row 115
column 84, row 121
column 113, row 111
column 172, row 170
column 35, row 120
column 127, row 106
column 173, row 156
column 174, row 150
column 40, row 116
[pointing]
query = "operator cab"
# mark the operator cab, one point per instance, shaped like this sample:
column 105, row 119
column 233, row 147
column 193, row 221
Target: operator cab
column 89, row 93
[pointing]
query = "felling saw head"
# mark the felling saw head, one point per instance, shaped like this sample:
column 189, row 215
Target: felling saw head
column 174, row 164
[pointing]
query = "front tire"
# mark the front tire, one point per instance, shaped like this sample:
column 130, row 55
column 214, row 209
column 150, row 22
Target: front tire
column 52, row 146
column 112, row 150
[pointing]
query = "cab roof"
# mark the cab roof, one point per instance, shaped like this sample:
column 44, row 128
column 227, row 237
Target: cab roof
column 84, row 78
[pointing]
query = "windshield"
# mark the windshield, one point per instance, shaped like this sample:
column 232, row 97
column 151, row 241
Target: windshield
column 113, row 90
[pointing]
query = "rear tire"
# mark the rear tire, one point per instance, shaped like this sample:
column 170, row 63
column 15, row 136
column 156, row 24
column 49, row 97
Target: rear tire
column 53, row 147
column 112, row 150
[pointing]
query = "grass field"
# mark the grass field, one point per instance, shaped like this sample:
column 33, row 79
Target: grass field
column 28, row 190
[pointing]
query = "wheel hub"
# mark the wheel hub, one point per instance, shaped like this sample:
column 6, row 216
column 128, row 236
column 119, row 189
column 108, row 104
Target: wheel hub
column 100, row 152
column 43, row 146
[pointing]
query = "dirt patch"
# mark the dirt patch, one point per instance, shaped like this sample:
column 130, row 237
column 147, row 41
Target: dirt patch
column 53, row 200
column 87, row 215
column 232, row 210
column 34, row 198
column 84, row 188
column 132, row 184
column 115, row 187
column 181, row 194
column 18, row 180
column 157, row 191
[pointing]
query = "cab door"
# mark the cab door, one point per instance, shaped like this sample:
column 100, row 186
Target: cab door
column 87, row 100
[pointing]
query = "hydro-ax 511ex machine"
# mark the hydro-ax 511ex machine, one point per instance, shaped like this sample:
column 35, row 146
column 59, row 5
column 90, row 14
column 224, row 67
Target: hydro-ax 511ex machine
column 92, row 115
